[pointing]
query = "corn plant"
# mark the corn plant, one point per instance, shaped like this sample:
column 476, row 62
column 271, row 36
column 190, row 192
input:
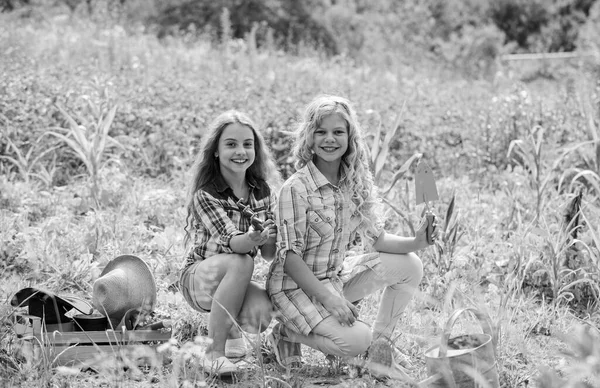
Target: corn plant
column 378, row 153
column 26, row 162
column 552, row 264
column 90, row 144
column 402, row 173
column 529, row 153
column 587, row 170
column 450, row 235
column 45, row 174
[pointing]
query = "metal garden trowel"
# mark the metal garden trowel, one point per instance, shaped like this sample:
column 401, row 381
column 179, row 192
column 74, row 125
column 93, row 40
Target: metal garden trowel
column 426, row 191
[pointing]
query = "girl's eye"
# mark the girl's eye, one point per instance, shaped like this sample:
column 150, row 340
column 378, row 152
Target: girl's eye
column 319, row 131
column 230, row 144
column 340, row 132
column 248, row 145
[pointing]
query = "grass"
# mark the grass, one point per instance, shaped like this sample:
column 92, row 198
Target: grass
column 64, row 215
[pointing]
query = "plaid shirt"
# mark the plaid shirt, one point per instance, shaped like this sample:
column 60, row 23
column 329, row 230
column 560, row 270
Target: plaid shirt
column 317, row 221
column 218, row 218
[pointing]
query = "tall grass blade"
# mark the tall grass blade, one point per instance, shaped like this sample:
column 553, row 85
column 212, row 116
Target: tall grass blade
column 449, row 212
column 402, row 171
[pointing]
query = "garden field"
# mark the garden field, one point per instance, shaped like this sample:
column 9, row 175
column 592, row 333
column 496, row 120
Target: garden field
column 100, row 123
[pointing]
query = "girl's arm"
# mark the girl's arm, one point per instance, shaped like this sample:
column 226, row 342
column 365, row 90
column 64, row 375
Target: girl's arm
column 339, row 307
column 213, row 216
column 391, row 243
column 244, row 243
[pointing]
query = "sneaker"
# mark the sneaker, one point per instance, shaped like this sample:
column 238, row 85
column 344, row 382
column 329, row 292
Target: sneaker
column 236, row 348
column 222, row 366
column 381, row 363
column 288, row 354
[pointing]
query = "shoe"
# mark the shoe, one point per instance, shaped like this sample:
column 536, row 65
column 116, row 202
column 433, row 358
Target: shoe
column 403, row 360
column 236, row 348
column 288, row 354
column 222, row 366
column 381, row 363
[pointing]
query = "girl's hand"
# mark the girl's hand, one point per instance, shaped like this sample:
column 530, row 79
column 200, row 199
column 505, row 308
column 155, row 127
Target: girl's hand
column 341, row 309
column 272, row 228
column 427, row 232
column 257, row 237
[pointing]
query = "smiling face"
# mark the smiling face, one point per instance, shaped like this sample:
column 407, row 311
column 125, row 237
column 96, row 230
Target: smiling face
column 236, row 149
column 330, row 139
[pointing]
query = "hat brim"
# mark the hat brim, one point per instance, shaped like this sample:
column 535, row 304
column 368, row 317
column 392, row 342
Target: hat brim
column 25, row 295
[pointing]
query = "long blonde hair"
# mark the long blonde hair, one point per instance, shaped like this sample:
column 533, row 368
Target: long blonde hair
column 358, row 179
column 206, row 167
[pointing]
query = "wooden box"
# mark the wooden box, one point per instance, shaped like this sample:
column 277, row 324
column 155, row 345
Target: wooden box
column 84, row 348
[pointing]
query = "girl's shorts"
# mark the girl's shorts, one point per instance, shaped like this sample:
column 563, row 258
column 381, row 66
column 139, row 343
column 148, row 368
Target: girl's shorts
column 188, row 286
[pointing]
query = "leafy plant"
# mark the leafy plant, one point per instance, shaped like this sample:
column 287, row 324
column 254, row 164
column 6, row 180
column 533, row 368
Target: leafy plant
column 550, row 270
column 587, row 166
column 380, row 148
column 90, row 144
column 450, row 235
column 26, row 162
column 530, row 154
column 402, row 173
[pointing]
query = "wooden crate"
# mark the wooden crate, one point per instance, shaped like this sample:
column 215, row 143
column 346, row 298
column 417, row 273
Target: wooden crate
column 81, row 348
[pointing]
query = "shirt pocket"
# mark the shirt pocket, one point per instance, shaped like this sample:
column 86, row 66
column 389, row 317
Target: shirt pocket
column 321, row 220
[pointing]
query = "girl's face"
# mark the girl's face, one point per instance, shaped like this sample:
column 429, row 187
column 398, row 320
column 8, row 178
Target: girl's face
column 330, row 139
column 236, row 148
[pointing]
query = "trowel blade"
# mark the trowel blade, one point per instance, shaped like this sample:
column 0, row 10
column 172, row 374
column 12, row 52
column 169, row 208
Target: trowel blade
column 425, row 188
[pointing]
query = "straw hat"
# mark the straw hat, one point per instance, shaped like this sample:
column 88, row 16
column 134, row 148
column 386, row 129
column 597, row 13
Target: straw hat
column 125, row 283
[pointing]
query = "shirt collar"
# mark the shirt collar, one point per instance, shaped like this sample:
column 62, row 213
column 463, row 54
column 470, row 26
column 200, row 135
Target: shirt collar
column 220, row 184
column 260, row 190
column 317, row 180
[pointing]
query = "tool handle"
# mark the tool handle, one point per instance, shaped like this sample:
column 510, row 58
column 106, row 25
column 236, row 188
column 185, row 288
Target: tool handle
column 247, row 211
column 157, row 325
column 430, row 217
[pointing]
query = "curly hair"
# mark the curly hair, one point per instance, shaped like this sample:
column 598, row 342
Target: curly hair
column 206, row 167
column 357, row 178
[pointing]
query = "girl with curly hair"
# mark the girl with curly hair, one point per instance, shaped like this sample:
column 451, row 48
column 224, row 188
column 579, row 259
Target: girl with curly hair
column 229, row 217
column 325, row 210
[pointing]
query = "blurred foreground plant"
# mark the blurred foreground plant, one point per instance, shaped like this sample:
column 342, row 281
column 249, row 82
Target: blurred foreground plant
column 584, row 368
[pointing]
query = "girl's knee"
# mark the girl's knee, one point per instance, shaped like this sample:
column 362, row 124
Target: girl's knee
column 356, row 339
column 402, row 269
column 414, row 266
column 240, row 263
column 257, row 312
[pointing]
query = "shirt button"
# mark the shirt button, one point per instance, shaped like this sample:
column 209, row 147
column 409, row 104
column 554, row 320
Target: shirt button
column 336, row 250
column 339, row 230
column 332, row 269
column 316, row 220
column 328, row 218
